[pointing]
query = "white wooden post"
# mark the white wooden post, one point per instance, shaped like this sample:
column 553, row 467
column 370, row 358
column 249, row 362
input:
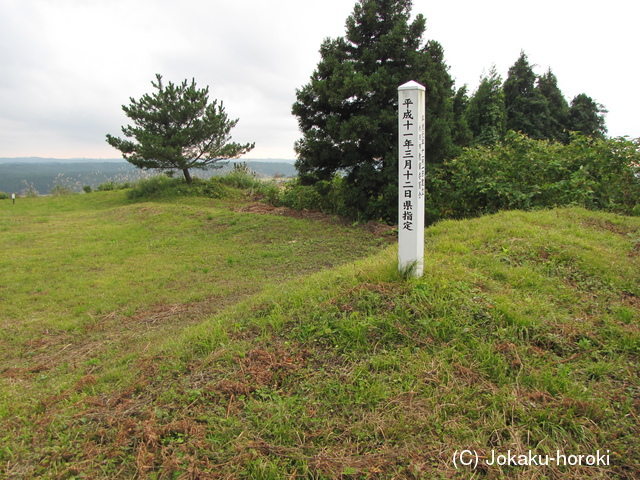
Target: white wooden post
column 411, row 178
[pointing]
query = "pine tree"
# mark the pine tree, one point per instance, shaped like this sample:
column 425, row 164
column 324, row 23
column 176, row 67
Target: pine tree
column 587, row 117
column 486, row 114
column 177, row 128
column 526, row 107
column 347, row 113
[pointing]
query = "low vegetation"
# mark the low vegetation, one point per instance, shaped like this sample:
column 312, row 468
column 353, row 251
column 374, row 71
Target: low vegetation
column 526, row 174
column 176, row 337
column 518, row 173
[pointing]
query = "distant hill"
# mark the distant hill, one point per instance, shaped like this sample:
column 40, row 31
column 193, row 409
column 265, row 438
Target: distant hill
column 58, row 160
column 44, row 173
column 118, row 160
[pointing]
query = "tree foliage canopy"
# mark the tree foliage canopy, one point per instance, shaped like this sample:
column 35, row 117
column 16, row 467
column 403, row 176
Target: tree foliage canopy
column 556, row 122
column 530, row 104
column 176, row 128
column 486, row 114
column 526, row 107
column 348, row 111
column 587, row 117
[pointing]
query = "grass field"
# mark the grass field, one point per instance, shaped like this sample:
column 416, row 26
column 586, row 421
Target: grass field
column 184, row 339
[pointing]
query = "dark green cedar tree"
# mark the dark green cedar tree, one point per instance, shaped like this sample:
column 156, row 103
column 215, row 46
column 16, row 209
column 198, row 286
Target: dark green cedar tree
column 556, row 123
column 587, row 117
column 176, row 128
column 347, row 113
column 462, row 134
column 486, row 113
column 526, row 107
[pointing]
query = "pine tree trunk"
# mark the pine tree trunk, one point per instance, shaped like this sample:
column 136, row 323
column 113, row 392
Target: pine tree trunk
column 187, row 176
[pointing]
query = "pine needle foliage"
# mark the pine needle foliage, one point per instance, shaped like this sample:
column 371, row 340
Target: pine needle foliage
column 347, row 113
column 177, row 128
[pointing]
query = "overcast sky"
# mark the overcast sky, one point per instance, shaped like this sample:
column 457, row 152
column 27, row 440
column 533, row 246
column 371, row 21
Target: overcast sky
column 67, row 66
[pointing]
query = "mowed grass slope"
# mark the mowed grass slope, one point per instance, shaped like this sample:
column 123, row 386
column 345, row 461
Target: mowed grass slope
column 91, row 282
column 184, row 340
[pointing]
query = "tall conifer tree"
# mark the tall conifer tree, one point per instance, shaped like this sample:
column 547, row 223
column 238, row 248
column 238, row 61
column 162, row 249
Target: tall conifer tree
column 462, row 134
column 556, row 123
column 486, row 114
column 348, row 111
column 526, row 107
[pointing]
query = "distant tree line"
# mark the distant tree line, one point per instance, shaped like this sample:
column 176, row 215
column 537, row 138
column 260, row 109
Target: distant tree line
column 527, row 103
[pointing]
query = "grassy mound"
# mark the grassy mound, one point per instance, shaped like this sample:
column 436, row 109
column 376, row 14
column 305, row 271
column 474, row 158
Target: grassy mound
column 522, row 336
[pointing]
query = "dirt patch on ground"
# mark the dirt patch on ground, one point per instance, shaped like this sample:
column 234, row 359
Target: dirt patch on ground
column 375, row 228
column 631, row 299
column 264, row 209
column 609, row 226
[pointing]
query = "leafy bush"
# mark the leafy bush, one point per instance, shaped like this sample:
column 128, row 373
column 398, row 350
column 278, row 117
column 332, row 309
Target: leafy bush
column 153, row 186
column 299, row 197
column 111, row 185
column 164, row 186
column 212, row 188
column 522, row 173
column 241, row 177
column 4, row 196
column 105, row 187
column 327, row 196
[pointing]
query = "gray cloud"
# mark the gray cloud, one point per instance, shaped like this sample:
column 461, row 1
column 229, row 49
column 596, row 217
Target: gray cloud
column 69, row 65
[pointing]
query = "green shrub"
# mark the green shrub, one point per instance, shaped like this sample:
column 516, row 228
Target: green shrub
column 105, row 187
column 520, row 173
column 526, row 174
column 87, row 189
column 4, row 196
column 299, row 197
column 111, row 185
column 153, row 186
column 331, row 197
column 212, row 188
column 164, row 186
column 241, row 177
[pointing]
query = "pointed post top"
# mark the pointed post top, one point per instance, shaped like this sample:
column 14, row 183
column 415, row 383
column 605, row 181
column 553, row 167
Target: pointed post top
column 411, row 85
